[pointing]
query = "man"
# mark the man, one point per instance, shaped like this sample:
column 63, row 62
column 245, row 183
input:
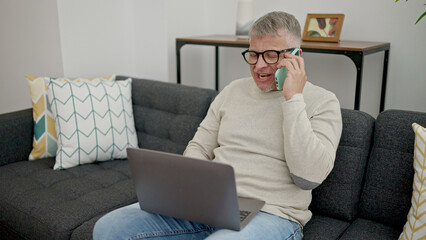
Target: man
column 282, row 144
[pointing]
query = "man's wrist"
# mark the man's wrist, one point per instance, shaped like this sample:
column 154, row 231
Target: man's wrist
column 295, row 97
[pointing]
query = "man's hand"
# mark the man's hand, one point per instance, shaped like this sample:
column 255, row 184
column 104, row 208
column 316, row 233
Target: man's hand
column 296, row 75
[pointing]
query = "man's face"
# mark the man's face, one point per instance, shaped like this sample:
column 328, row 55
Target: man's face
column 264, row 74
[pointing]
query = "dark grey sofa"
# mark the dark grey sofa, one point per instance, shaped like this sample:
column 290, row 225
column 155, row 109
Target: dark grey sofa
column 367, row 195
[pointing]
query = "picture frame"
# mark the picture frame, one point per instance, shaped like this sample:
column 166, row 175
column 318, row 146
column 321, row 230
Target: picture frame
column 323, row 27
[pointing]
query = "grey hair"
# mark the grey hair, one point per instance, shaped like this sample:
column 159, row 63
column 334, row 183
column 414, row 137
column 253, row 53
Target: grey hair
column 272, row 22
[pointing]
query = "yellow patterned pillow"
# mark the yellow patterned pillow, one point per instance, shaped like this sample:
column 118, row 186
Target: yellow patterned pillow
column 415, row 228
column 45, row 140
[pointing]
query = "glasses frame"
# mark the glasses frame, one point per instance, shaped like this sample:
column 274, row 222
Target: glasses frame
column 263, row 56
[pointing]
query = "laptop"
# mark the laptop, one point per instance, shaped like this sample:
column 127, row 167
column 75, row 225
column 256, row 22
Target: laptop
column 191, row 189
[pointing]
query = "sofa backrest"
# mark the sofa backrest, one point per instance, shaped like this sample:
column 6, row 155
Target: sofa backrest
column 167, row 115
column 16, row 131
column 388, row 185
column 338, row 196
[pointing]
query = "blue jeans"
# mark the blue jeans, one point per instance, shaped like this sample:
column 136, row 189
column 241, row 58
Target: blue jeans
column 131, row 222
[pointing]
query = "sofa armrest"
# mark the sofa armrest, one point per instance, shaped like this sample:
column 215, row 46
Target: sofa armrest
column 16, row 134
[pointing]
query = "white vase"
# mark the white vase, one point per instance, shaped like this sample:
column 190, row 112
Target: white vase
column 244, row 17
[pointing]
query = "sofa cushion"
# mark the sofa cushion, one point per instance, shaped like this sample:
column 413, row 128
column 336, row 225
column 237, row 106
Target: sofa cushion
column 45, row 140
column 93, row 120
column 389, row 179
column 338, row 195
column 85, row 230
column 367, row 229
column 39, row 203
column 324, row 228
column 167, row 115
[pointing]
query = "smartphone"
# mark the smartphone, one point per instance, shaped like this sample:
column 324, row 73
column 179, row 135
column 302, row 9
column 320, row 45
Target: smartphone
column 281, row 73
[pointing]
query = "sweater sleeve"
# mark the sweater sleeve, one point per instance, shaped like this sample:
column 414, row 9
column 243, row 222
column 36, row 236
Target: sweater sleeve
column 310, row 142
column 205, row 139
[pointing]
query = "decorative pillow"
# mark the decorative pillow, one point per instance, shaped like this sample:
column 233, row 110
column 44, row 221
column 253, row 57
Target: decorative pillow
column 44, row 140
column 93, row 120
column 415, row 228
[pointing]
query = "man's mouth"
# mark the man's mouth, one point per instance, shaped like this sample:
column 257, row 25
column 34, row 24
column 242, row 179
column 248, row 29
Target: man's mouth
column 264, row 75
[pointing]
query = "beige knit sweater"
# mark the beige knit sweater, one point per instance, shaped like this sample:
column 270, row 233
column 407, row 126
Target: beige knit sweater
column 280, row 150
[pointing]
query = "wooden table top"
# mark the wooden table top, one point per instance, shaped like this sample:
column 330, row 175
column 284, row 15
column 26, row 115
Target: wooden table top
column 345, row 45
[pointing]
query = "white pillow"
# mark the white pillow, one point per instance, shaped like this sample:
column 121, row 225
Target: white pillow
column 93, row 121
column 415, row 227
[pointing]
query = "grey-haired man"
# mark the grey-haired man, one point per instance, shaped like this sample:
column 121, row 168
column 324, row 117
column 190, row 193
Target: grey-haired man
column 282, row 144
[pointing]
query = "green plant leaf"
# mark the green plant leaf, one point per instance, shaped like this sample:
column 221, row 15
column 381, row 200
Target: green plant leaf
column 421, row 17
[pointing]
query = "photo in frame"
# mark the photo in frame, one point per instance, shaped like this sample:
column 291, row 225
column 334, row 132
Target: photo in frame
column 323, row 27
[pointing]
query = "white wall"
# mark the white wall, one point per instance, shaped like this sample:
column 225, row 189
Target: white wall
column 29, row 44
column 133, row 37
column 137, row 38
column 98, row 37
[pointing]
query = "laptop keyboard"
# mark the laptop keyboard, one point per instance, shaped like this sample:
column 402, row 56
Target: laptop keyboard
column 243, row 215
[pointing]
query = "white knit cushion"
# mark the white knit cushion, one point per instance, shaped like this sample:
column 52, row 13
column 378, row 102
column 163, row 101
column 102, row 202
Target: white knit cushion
column 415, row 228
column 93, row 120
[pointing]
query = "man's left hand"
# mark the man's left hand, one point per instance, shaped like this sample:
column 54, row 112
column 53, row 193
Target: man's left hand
column 296, row 75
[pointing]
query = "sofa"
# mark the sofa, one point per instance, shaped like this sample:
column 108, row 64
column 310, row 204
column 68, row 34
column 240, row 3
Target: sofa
column 366, row 196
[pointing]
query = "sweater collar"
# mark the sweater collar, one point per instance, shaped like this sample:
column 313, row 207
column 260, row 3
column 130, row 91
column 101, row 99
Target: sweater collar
column 259, row 94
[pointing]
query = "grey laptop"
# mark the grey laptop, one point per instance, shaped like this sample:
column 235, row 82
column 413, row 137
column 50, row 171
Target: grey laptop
column 191, row 189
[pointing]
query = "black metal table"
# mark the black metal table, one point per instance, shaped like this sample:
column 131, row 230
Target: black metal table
column 355, row 50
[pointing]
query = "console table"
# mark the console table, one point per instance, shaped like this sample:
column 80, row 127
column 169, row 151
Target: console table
column 355, row 50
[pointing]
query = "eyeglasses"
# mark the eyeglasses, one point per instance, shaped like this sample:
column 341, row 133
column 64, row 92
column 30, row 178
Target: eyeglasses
column 269, row 56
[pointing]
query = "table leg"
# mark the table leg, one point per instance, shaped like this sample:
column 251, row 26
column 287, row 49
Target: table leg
column 179, row 45
column 358, row 84
column 384, row 80
column 358, row 59
column 217, row 68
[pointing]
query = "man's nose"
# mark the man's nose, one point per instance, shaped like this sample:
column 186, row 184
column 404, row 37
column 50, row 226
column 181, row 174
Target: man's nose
column 261, row 62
